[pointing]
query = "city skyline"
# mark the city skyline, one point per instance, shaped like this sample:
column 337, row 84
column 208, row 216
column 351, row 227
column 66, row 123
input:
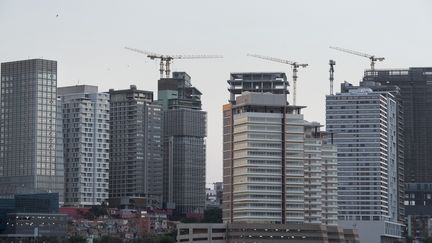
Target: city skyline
column 95, row 52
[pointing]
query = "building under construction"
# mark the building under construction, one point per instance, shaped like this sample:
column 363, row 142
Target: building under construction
column 183, row 142
column 275, row 83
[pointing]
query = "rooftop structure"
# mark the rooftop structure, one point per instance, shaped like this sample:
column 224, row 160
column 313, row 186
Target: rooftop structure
column 274, row 83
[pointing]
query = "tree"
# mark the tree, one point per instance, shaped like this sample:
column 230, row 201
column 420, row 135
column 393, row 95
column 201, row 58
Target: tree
column 76, row 239
column 46, row 239
column 188, row 220
column 212, row 215
column 107, row 239
column 165, row 239
column 96, row 212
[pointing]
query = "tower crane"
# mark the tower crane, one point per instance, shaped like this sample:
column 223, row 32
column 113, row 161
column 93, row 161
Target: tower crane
column 331, row 63
column 372, row 58
column 166, row 60
column 294, row 65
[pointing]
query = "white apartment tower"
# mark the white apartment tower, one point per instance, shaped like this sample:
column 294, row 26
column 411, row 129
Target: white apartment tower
column 86, row 144
column 365, row 123
column 320, row 173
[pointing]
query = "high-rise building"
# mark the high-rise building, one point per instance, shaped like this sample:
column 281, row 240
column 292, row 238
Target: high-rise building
column 366, row 121
column 400, row 134
column 415, row 89
column 320, row 174
column 278, row 168
column 31, row 158
column 86, row 144
column 135, row 173
column 183, row 144
column 415, row 85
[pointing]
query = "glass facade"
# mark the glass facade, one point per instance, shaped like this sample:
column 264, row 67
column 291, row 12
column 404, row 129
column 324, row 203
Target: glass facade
column 29, row 153
column 184, row 127
column 37, row 203
column 416, row 93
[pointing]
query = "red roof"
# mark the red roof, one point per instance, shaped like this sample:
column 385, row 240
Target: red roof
column 75, row 213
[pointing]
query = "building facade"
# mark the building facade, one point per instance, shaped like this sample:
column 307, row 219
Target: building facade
column 37, row 203
column 31, row 225
column 365, row 124
column 31, row 159
column 250, row 233
column 415, row 90
column 278, row 168
column 418, row 199
column 320, row 173
column 185, row 130
column 85, row 115
column 28, row 211
column 135, row 172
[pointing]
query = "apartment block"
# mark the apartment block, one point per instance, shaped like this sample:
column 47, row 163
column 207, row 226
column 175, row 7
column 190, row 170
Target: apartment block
column 85, row 114
column 365, row 121
column 135, row 174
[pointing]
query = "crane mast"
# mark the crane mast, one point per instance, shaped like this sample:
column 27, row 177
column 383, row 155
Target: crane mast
column 294, row 66
column 331, row 63
column 372, row 58
column 166, row 60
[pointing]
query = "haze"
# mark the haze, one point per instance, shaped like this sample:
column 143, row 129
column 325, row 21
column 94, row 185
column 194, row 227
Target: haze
column 87, row 38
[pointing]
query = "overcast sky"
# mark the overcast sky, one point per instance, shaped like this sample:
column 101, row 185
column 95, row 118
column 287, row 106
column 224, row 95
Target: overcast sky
column 87, row 40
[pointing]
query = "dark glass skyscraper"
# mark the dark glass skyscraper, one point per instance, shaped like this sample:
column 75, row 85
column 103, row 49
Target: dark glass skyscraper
column 135, row 174
column 416, row 92
column 31, row 153
column 183, row 144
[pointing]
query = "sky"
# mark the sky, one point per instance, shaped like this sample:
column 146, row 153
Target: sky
column 87, row 39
